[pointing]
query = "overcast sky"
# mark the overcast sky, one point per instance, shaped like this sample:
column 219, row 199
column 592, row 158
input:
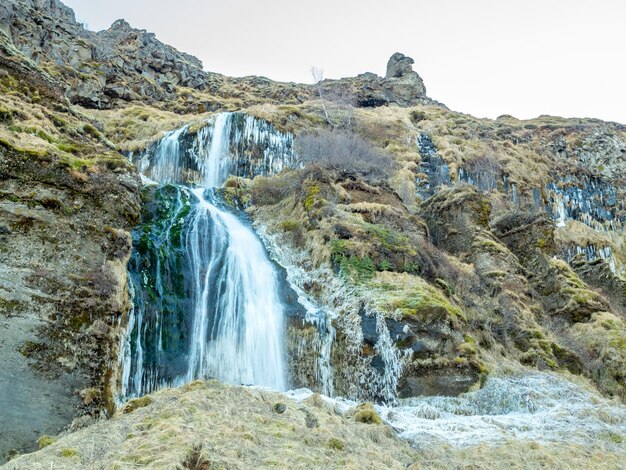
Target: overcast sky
column 482, row 57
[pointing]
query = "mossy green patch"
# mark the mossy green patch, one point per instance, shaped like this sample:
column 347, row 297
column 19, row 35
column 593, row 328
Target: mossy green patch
column 311, row 196
column 27, row 152
column 136, row 403
column 411, row 296
column 389, row 239
column 68, row 453
column 45, row 441
column 365, row 413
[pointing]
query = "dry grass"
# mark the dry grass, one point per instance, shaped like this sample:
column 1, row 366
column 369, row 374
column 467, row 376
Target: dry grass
column 207, row 425
column 519, row 455
column 227, row 427
column 134, row 127
column 604, row 340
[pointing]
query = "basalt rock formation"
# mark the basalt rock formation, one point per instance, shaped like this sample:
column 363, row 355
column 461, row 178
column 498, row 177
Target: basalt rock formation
column 468, row 248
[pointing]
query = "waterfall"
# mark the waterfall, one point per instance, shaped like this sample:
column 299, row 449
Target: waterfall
column 237, row 333
column 206, row 299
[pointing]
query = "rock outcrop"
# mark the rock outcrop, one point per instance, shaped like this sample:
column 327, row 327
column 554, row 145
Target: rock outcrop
column 123, row 64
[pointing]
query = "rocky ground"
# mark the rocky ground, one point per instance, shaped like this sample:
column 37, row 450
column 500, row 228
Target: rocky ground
column 513, row 247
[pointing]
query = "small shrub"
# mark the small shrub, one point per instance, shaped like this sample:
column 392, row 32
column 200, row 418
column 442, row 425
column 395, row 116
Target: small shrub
column 268, row 191
column 385, row 265
column 336, row 444
column 366, row 414
column 417, row 116
column 346, row 153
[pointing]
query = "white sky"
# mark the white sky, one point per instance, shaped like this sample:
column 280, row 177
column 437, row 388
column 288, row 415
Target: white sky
column 482, row 57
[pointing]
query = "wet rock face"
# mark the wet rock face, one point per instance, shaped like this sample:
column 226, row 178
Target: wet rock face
column 421, row 342
column 255, row 147
column 592, row 201
column 434, row 169
column 444, row 381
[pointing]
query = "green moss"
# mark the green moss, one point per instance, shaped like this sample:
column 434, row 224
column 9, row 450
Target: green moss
column 469, row 339
column 311, row 197
column 137, row 403
column 467, row 349
column 67, row 147
column 33, row 131
column 28, row 152
column 45, row 441
column 366, row 414
column 564, row 270
column 68, row 453
column 488, row 244
column 91, row 131
column 411, row 296
column 390, row 239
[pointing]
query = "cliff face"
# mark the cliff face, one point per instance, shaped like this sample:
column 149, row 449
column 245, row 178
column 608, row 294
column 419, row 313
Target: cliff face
column 477, row 242
column 67, row 201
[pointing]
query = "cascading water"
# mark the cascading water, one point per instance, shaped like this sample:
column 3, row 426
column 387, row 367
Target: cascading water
column 206, row 300
column 237, row 332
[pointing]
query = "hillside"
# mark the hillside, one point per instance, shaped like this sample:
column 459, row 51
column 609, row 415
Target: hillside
column 417, row 249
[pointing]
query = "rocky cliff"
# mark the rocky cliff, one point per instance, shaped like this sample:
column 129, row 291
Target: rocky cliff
column 122, row 64
column 469, row 243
